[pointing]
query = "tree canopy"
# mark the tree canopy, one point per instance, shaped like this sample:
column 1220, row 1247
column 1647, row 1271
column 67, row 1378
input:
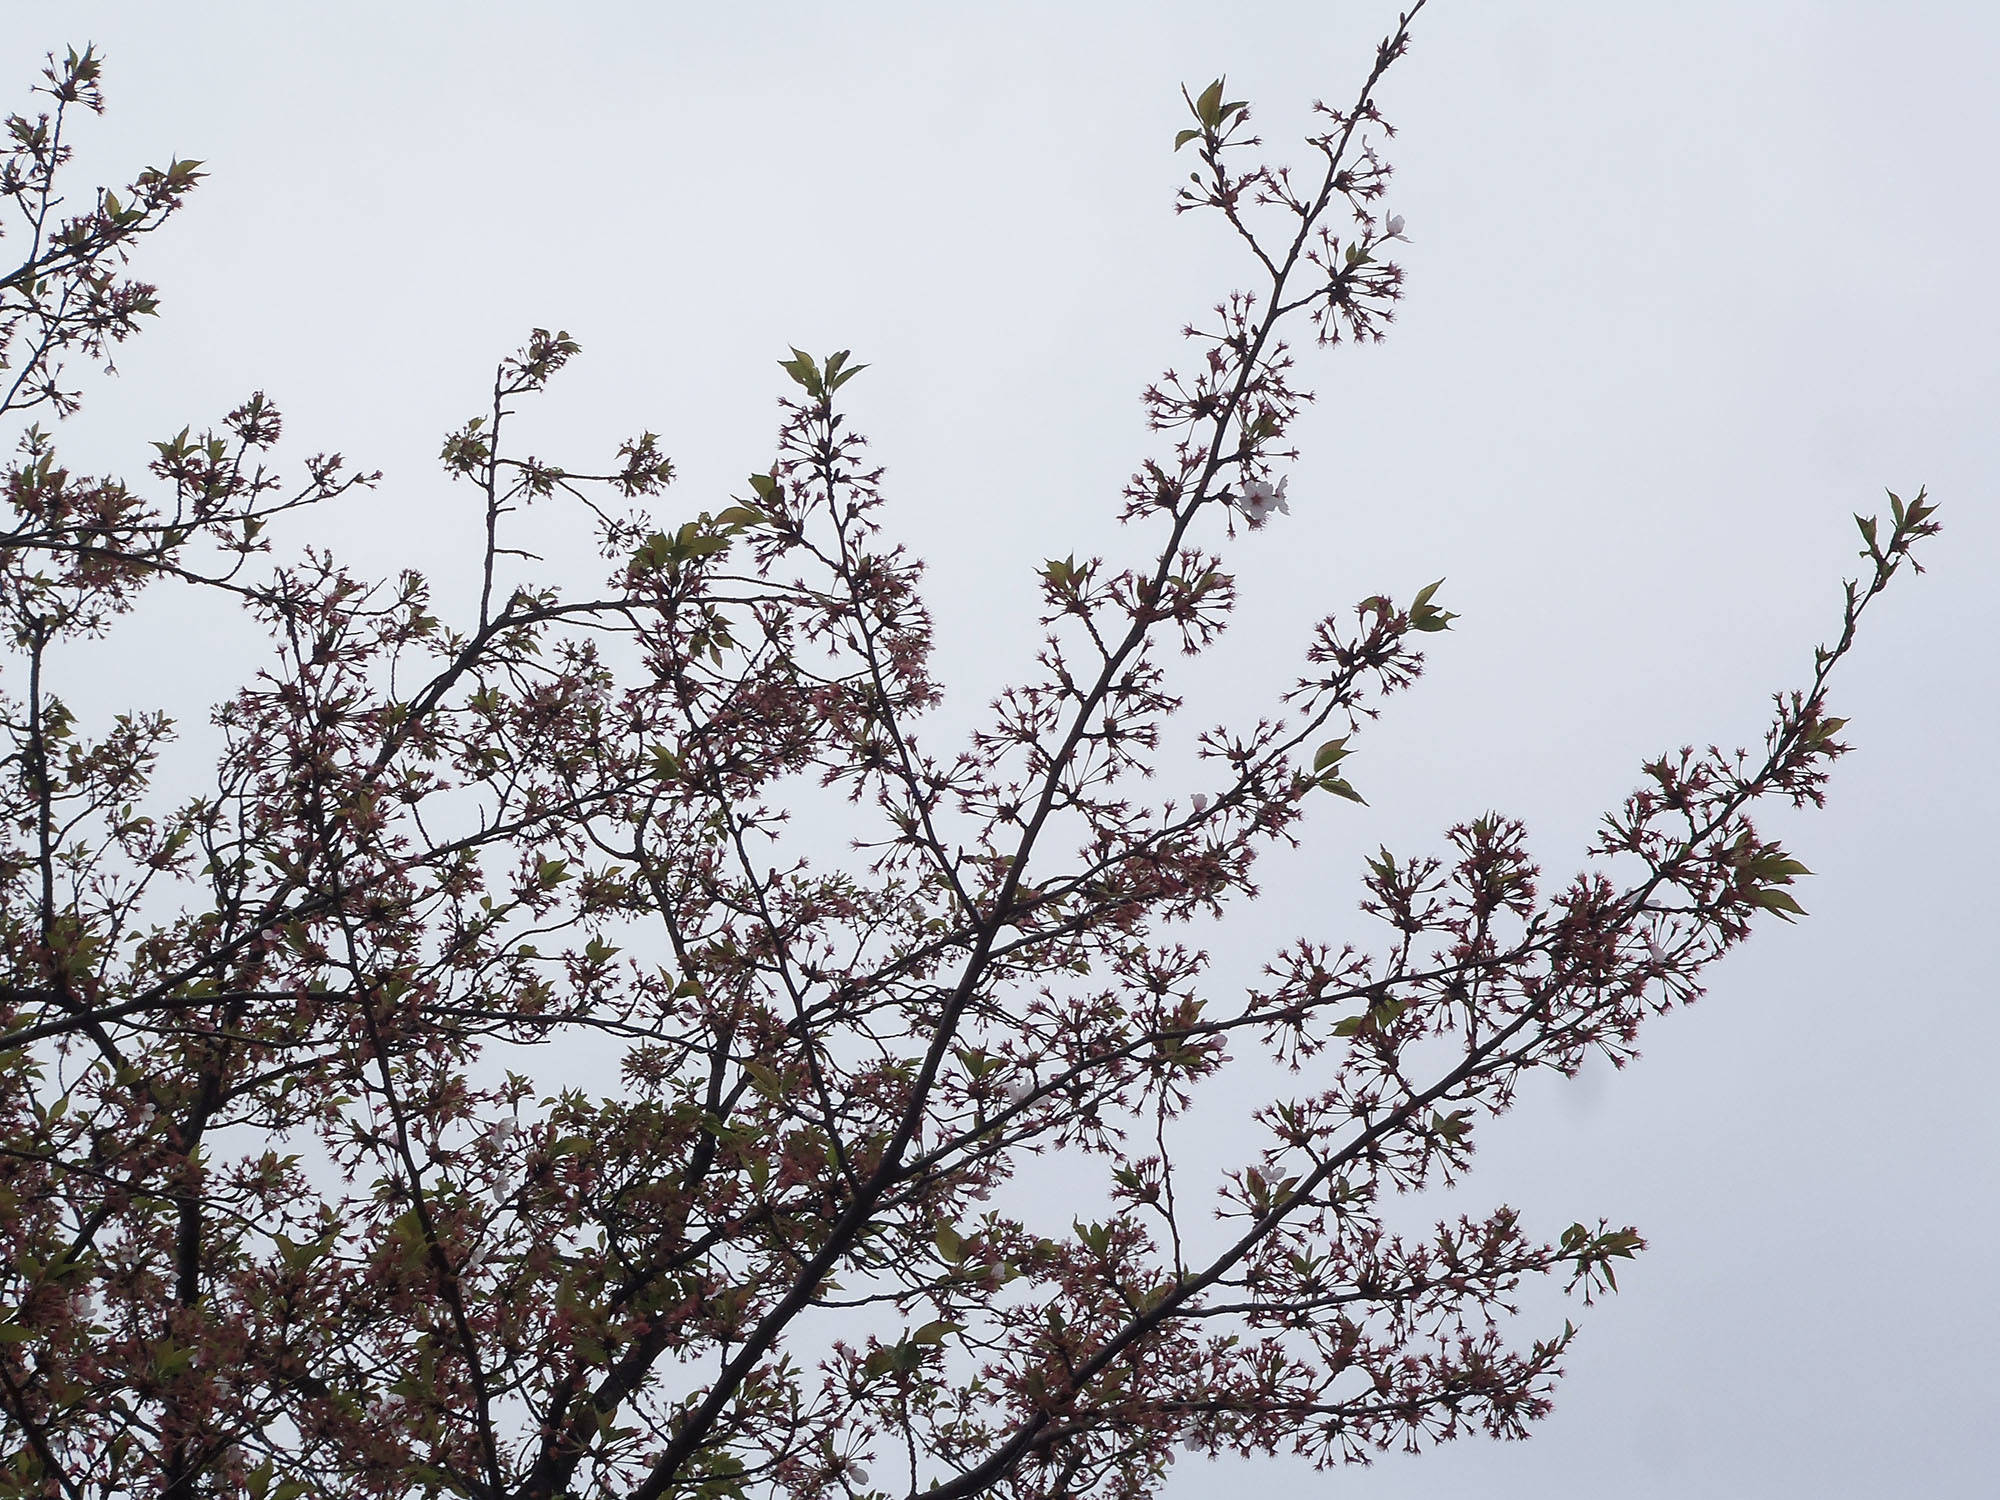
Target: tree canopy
column 283, row 1209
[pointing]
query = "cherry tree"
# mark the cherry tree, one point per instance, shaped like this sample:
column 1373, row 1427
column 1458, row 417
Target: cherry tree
column 283, row 1211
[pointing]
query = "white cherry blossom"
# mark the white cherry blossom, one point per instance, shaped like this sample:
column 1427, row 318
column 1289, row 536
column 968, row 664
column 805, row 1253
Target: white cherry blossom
column 1260, row 499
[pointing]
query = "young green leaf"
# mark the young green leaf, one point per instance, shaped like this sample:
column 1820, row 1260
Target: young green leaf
column 1208, row 108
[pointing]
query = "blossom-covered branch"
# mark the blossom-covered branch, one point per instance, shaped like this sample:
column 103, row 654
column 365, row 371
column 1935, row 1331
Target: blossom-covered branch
column 283, row 1210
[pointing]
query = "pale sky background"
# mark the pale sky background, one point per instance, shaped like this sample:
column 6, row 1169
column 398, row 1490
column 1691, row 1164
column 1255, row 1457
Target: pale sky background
column 1688, row 285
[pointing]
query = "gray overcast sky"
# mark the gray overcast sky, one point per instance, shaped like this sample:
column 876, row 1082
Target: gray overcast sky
column 1688, row 284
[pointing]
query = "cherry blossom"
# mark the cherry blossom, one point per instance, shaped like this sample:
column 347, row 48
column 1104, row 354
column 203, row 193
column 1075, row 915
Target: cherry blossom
column 1259, row 500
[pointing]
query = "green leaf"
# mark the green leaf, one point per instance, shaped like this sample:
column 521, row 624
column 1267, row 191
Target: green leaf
column 169, row 1358
column 1208, row 108
column 1340, row 788
column 1426, row 616
column 804, row 372
column 653, row 554
column 839, row 372
column 1330, row 754
column 1779, row 902
column 1451, row 1126
column 1184, row 137
column 1372, row 1020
